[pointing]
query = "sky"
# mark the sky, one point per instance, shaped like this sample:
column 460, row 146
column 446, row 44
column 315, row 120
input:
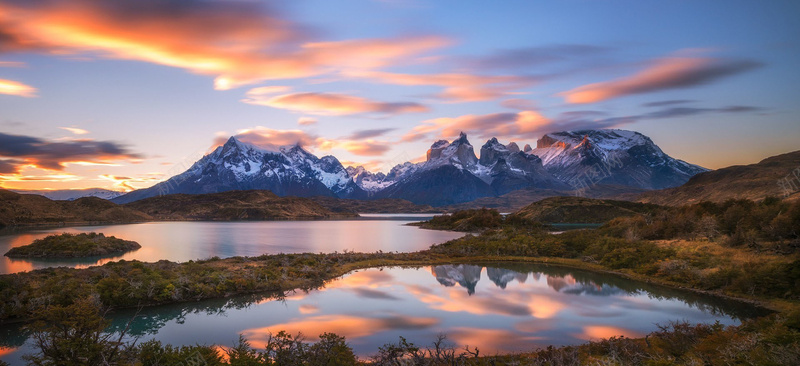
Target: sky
column 123, row 94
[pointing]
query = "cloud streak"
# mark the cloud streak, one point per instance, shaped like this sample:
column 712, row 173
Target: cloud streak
column 663, row 74
column 332, row 104
column 10, row 87
column 457, row 87
column 55, row 155
column 275, row 139
column 524, row 124
column 236, row 42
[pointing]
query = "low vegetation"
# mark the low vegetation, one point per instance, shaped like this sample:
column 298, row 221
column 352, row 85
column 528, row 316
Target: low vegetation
column 73, row 245
column 698, row 247
column 580, row 210
column 76, row 335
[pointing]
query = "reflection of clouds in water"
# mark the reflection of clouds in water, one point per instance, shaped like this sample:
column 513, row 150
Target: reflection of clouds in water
column 595, row 332
column 453, row 300
column 500, row 315
column 308, row 309
column 493, row 340
column 373, row 294
column 351, row 327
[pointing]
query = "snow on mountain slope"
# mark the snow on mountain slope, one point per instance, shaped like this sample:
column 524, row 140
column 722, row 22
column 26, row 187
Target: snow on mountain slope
column 73, row 194
column 286, row 170
column 628, row 158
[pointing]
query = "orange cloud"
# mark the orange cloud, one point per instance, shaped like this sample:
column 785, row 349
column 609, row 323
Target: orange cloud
column 521, row 124
column 10, row 87
column 271, row 138
column 332, row 104
column 360, row 148
column 56, row 154
column 237, row 43
column 663, row 74
column 457, row 87
column 77, row 131
column 306, row 121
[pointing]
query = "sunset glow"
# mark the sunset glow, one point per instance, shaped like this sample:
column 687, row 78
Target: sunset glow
column 146, row 85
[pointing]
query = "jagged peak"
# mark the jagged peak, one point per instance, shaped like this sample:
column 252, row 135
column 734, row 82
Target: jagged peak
column 440, row 144
column 492, row 143
column 513, row 147
column 462, row 139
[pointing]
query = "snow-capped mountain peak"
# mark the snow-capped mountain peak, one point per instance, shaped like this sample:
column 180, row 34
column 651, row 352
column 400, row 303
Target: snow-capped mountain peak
column 611, row 156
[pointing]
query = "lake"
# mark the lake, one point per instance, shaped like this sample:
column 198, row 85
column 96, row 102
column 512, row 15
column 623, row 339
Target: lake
column 498, row 307
column 182, row 241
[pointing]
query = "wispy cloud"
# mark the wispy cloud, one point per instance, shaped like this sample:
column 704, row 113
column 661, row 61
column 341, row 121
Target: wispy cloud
column 22, row 150
column 361, row 148
column 11, row 87
column 365, row 134
column 306, row 121
column 74, row 130
column 666, row 103
column 527, row 57
column 509, row 125
column 236, row 42
column 458, row 87
column 333, row 104
column 272, row 138
column 662, row 74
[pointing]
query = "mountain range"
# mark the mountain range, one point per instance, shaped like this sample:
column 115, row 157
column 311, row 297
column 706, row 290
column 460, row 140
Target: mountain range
column 452, row 173
column 73, row 194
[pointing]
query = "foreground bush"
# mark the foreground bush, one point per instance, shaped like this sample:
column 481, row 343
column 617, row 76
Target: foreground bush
column 74, row 335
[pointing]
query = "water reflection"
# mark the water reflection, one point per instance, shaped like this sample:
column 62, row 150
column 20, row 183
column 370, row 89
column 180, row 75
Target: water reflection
column 184, row 241
column 520, row 307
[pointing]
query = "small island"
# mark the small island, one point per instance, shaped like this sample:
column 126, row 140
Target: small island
column 73, row 246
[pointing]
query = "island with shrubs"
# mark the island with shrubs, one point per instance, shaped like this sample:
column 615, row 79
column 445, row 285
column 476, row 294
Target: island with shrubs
column 68, row 245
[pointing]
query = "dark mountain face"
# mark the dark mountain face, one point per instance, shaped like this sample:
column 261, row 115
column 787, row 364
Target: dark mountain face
column 453, row 174
column 289, row 171
column 439, row 186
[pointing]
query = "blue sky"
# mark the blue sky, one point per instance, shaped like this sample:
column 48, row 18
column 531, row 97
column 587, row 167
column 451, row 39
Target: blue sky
column 146, row 86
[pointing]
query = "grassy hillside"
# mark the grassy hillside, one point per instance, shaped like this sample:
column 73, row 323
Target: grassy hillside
column 383, row 205
column 27, row 209
column 582, row 210
column 752, row 182
column 234, row 205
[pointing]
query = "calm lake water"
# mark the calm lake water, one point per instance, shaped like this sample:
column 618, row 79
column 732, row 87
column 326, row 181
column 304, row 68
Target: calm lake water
column 496, row 307
column 184, row 241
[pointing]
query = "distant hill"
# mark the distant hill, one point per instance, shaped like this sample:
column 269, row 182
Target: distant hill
column 582, row 210
column 753, row 182
column 234, row 205
column 73, row 194
column 384, row 205
column 29, row 209
column 520, row 198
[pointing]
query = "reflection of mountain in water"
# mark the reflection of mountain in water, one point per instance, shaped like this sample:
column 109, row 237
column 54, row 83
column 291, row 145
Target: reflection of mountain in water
column 501, row 277
column 569, row 285
column 465, row 275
